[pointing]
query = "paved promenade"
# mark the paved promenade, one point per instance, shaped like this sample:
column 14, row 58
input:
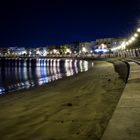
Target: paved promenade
column 125, row 122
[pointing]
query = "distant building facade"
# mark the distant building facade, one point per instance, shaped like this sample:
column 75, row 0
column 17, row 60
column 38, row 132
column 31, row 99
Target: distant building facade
column 110, row 42
column 80, row 47
column 87, row 47
column 17, row 50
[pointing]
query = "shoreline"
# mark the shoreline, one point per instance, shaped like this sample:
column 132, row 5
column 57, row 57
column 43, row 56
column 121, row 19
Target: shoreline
column 76, row 107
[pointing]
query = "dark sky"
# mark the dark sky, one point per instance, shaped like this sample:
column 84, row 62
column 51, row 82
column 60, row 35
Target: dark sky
column 34, row 23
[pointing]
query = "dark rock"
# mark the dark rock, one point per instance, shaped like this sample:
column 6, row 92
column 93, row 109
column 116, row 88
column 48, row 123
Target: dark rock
column 89, row 135
column 69, row 104
column 77, row 133
column 109, row 80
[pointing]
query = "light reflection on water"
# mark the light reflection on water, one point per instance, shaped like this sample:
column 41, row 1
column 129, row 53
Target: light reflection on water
column 26, row 73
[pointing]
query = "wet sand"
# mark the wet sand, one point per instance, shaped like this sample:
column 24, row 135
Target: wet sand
column 74, row 108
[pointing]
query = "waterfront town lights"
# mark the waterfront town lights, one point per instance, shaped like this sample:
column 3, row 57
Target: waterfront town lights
column 68, row 50
column 54, row 51
column 84, row 49
column 38, row 52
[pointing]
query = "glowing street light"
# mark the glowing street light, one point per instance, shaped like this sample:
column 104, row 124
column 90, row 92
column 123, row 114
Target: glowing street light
column 135, row 35
column 133, row 38
column 138, row 30
column 127, row 43
column 130, row 41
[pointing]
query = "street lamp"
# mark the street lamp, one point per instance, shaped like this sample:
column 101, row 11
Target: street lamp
column 130, row 41
column 135, row 35
column 138, row 30
column 133, row 38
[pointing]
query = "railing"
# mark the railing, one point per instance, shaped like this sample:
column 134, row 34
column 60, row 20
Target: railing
column 131, row 53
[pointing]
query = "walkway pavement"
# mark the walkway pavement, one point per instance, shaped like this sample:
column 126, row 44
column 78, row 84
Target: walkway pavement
column 125, row 122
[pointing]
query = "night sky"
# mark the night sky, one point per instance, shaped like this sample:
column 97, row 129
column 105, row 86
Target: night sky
column 35, row 23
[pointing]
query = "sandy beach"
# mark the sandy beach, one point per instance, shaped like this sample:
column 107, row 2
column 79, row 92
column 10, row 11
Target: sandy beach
column 74, row 108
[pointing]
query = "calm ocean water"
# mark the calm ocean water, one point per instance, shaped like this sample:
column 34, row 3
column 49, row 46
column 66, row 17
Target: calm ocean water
column 18, row 74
